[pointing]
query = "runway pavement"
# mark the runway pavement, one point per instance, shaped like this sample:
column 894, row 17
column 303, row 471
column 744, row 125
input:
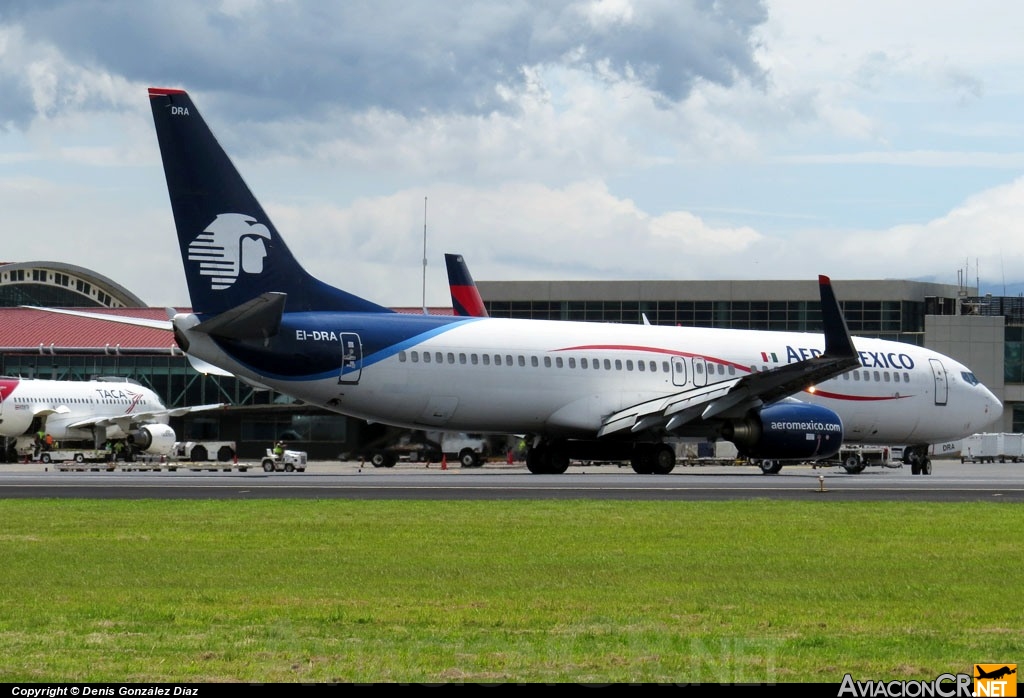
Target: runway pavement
column 950, row 481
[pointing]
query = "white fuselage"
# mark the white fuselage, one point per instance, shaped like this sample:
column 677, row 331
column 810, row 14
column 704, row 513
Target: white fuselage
column 565, row 378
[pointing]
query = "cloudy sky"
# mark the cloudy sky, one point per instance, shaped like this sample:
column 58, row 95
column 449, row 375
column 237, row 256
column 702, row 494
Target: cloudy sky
column 591, row 139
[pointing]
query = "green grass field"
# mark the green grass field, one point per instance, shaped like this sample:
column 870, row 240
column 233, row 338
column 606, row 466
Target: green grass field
column 581, row 591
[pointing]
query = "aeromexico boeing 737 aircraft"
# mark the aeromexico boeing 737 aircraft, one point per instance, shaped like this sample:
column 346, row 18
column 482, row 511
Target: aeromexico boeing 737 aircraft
column 579, row 390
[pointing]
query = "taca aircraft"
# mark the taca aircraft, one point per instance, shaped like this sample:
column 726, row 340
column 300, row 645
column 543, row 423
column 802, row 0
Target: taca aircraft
column 579, row 390
column 97, row 410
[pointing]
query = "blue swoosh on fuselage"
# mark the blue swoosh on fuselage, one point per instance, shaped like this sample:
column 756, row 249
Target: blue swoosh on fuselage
column 308, row 345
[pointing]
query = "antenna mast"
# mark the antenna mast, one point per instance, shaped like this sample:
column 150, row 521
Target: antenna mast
column 424, row 255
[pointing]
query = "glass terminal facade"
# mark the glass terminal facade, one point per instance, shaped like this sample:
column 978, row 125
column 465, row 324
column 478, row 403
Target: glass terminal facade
column 897, row 320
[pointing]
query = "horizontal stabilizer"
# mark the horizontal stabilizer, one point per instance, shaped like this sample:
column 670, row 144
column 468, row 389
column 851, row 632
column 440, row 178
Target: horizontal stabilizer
column 121, row 319
column 259, row 318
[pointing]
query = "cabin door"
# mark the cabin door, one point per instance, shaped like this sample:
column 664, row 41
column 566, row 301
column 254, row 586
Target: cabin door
column 678, row 371
column 351, row 358
column 941, row 384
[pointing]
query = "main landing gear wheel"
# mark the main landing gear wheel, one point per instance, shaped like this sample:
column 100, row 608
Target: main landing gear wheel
column 547, row 459
column 653, row 459
column 663, row 459
column 770, row 467
column 641, row 463
column 917, row 456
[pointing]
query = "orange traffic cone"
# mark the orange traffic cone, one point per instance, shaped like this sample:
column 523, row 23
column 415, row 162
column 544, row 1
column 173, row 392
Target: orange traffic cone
column 444, row 462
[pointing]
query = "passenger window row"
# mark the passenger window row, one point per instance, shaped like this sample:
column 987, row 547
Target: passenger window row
column 865, row 375
column 572, row 362
column 474, row 359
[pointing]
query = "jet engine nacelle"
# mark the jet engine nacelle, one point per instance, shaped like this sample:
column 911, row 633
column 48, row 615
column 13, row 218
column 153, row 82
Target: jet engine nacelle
column 787, row 431
column 153, row 438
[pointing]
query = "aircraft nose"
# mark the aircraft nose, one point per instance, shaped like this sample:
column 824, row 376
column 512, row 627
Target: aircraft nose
column 992, row 405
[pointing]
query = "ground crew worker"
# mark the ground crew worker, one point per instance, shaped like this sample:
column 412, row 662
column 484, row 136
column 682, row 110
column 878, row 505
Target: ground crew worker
column 279, row 450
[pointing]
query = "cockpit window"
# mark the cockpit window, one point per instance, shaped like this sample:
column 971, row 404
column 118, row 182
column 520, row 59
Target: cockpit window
column 970, row 378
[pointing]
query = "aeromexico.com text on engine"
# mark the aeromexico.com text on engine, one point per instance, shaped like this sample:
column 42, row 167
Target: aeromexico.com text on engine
column 809, row 426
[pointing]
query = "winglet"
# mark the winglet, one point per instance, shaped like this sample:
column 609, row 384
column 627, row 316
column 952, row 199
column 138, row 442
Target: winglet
column 838, row 342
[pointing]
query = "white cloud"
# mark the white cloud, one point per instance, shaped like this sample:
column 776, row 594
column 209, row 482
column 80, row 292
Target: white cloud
column 605, row 139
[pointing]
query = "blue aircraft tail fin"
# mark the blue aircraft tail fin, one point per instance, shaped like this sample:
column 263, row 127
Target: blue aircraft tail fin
column 231, row 250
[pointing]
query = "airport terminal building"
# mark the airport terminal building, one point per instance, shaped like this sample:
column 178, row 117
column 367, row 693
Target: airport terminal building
column 985, row 333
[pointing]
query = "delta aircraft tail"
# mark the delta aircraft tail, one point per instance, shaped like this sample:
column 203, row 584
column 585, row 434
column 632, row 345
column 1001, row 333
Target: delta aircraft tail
column 466, row 300
column 231, row 251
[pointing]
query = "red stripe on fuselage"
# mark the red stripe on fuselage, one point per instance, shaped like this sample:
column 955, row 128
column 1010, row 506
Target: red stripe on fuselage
column 856, row 398
column 739, row 367
column 655, row 350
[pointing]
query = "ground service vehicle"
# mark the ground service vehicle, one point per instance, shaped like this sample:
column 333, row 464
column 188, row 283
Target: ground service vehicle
column 989, row 448
column 223, row 451
column 289, row 461
column 81, row 455
column 468, row 450
column 855, row 458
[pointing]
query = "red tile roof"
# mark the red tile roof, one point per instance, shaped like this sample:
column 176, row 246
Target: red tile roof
column 34, row 328
column 29, row 327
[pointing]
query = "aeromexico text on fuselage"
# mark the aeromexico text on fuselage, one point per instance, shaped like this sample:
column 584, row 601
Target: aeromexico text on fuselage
column 868, row 359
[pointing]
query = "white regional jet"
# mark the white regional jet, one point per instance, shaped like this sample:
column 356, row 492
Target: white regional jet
column 579, row 390
column 95, row 410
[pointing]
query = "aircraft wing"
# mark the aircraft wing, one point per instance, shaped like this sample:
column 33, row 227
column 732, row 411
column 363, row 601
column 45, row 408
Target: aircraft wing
column 734, row 397
column 125, row 420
